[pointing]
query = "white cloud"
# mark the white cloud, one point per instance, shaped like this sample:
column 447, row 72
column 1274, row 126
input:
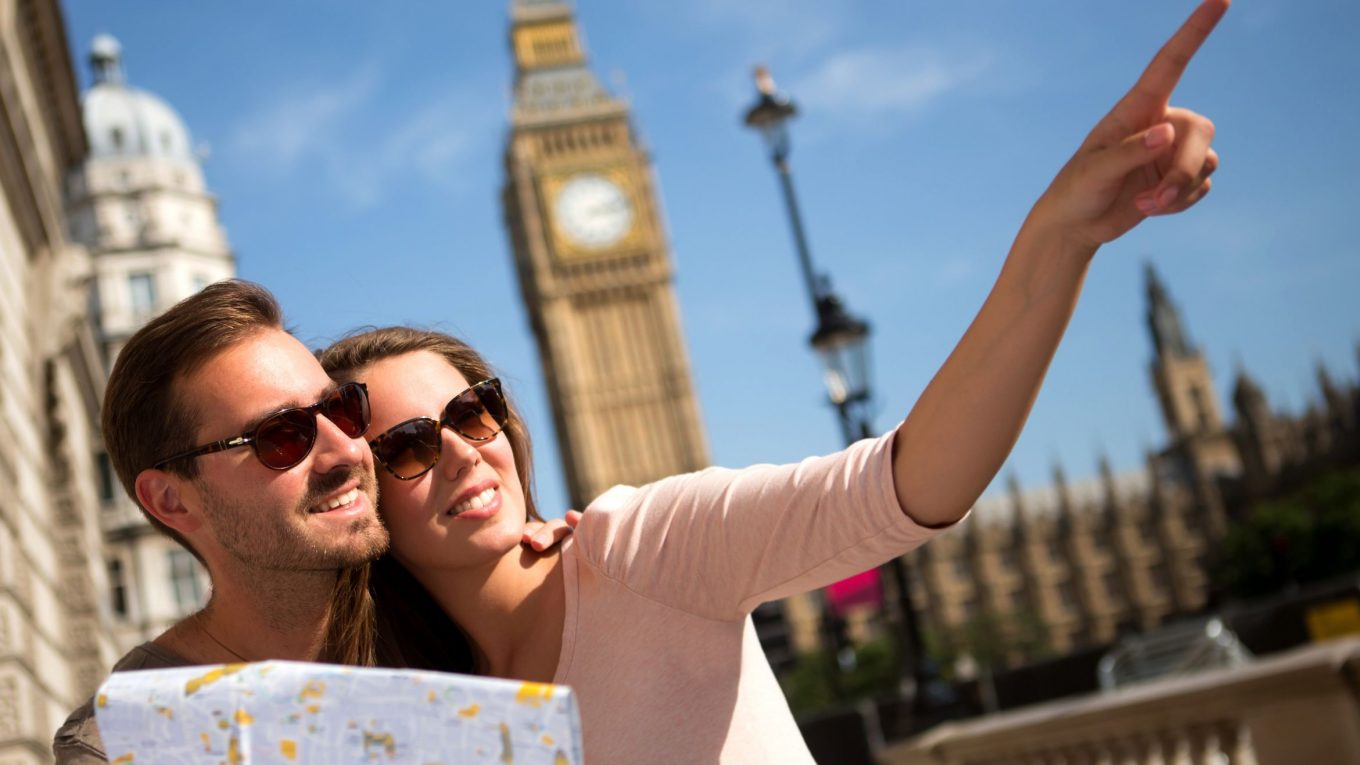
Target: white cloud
column 776, row 29
column 298, row 121
column 359, row 142
column 876, row 82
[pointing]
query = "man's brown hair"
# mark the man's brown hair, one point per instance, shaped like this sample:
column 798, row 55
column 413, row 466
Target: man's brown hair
column 145, row 417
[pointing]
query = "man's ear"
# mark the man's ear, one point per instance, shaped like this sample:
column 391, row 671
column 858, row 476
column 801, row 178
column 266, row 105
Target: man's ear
column 160, row 493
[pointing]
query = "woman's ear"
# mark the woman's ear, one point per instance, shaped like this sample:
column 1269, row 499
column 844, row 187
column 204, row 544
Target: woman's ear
column 159, row 493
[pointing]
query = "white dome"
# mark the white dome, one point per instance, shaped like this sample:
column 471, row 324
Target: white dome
column 126, row 122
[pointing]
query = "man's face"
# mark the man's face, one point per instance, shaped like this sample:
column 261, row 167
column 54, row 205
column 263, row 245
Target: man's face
column 317, row 515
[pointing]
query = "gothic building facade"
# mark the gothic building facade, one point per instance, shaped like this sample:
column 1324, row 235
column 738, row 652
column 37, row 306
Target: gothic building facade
column 1089, row 561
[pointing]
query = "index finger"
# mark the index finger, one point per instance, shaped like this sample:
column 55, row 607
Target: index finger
column 1152, row 92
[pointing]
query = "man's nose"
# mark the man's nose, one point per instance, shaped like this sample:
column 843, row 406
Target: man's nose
column 334, row 448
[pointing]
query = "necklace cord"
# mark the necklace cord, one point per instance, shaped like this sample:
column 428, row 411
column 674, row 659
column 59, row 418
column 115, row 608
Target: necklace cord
column 198, row 622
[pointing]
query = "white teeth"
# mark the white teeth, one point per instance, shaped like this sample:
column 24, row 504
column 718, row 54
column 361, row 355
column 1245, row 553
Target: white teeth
column 342, row 500
column 475, row 503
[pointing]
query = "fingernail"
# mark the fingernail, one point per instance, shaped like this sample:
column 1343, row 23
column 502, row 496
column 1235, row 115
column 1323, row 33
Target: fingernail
column 1146, row 205
column 1157, row 136
column 1168, row 196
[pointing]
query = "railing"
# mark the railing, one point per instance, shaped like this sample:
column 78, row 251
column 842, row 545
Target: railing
column 1299, row 707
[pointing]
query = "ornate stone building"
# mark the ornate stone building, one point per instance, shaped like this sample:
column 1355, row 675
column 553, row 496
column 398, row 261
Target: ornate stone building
column 595, row 272
column 54, row 643
column 142, row 210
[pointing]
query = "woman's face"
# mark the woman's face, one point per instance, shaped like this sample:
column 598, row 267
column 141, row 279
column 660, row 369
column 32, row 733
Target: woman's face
column 466, row 511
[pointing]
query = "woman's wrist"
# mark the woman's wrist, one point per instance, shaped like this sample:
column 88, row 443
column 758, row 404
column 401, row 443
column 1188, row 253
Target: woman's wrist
column 1051, row 245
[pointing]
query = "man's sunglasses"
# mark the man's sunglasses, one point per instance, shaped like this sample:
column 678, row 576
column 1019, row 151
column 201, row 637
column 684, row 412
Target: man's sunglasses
column 285, row 438
column 409, row 449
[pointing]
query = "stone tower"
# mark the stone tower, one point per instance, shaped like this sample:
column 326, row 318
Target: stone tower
column 1200, row 450
column 595, row 273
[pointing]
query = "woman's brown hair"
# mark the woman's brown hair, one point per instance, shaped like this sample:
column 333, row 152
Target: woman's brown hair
column 412, row 628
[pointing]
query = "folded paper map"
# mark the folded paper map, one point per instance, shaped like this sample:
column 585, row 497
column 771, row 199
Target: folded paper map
column 294, row 712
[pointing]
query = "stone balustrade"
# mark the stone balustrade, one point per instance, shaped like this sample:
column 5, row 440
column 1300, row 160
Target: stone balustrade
column 1298, row 707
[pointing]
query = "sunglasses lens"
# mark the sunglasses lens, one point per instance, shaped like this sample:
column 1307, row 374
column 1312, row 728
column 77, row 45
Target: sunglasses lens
column 409, row 449
column 477, row 413
column 283, row 440
column 347, row 407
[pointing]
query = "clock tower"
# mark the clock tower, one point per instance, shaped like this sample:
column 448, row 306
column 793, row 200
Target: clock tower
column 594, row 269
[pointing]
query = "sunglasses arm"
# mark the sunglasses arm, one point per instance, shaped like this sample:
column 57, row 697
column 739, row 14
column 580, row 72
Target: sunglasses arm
column 216, row 446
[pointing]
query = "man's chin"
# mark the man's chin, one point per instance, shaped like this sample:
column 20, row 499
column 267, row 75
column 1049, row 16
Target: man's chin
column 370, row 541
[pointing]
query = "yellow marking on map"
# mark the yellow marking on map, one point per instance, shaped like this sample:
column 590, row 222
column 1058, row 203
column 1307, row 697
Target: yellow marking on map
column 166, row 712
column 234, row 751
column 385, row 740
column 470, row 711
column 547, row 740
column 507, row 754
column 431, row 697
column 561, row 758
column 197, row 683
column 102, row 701
column 288, row 748
column 207, row 742
column 314, row 689
column 534, row 694
column 223, row 724
column 243, row 717
column 124, row 760
column 313, row 708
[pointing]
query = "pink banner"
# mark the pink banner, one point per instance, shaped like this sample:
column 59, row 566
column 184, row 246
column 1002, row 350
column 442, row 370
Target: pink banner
column 856, row 590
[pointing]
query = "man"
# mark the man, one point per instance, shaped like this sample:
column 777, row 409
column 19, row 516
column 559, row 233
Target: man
column 234, row 442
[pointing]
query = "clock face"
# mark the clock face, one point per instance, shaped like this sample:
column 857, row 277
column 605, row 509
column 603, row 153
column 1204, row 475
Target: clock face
column 592, row 211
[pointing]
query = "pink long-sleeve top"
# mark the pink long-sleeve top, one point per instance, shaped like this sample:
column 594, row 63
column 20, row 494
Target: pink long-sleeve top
column 660, row 583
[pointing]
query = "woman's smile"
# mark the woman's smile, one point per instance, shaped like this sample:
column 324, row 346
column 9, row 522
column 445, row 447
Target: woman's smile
column 477, row 505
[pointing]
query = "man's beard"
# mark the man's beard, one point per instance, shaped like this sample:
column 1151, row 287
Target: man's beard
column 276, row 540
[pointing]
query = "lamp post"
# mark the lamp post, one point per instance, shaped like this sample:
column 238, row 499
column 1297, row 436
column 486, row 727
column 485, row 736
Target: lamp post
column 842, row 343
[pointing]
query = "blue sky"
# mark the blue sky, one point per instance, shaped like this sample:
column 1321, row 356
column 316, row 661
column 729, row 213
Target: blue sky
column 356, row 152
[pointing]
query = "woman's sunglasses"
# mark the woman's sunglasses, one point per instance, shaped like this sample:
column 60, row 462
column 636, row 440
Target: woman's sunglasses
column 285, row 438
column 409, row 449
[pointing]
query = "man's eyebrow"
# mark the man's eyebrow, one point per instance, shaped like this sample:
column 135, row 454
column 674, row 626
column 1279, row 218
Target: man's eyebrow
column 291, row 403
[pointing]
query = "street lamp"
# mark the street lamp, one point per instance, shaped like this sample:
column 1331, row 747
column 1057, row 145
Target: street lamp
column 842, row 343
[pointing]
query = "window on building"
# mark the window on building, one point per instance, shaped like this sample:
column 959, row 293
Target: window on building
column 1067, row 593
column 969, row 608
column 1112, row 586
column 104, row 469
column 116, row 136
column 143, row 289
column 1147, row 528
column 961, row 568
column 1054, row 549
column 1159, row 578
column 1201, row 404
column 118, row 596
column 185, row 580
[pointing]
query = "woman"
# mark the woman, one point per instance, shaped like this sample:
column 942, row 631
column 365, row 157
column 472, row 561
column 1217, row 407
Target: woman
column 644, row 611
